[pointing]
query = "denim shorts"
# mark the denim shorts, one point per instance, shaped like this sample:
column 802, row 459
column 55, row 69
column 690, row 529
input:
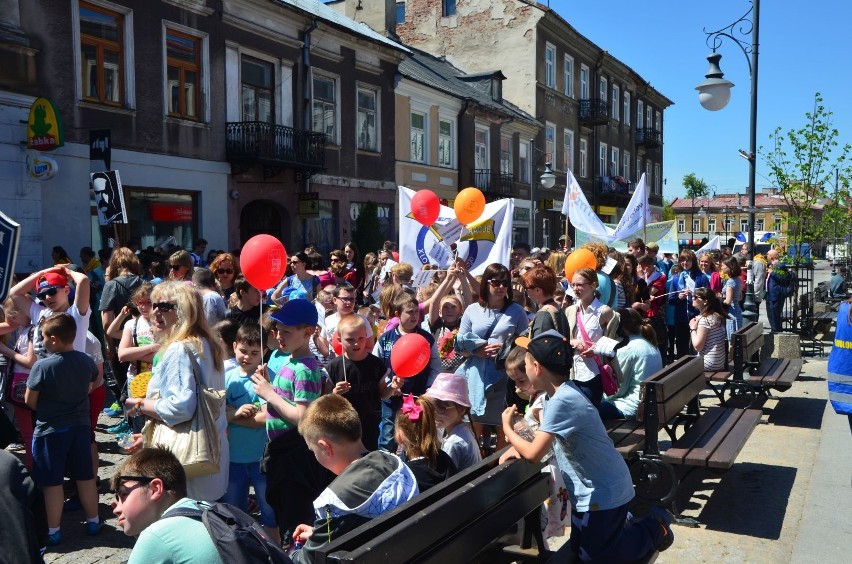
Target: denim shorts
column 240, row 476
column 66, row 451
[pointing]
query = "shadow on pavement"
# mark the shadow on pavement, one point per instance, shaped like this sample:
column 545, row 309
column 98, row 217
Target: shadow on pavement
column 804, row 413
column 750, row 499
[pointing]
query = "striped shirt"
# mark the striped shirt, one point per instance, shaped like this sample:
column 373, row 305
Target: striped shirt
column 713, row 352
column 299, row 380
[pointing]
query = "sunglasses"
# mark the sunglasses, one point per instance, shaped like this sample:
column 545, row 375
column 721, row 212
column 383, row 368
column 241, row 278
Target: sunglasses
column 224, row 271
column 497, row 283
column 121, row 494
column 143, row 303
column 175, row 266
column 295, row 261
column 442, row 405
column 345, row 300
column 163, row 306
column 48, row 292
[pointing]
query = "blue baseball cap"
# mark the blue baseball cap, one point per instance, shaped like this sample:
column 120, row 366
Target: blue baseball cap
column 296, row 312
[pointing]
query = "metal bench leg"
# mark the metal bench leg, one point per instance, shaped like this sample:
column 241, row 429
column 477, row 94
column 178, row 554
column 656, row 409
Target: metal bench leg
column 532, row 530
column 678, row 518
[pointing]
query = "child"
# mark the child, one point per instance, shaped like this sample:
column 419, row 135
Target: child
column 58, row 390
column 246, row 429
column 293, row 476
column 417, row 434
column 596, row 476
column 227, row 332
column 407, row 309
column 161, row 482
column 23, row 357
column 450, row 394
column 367, row 484
column 359, row 376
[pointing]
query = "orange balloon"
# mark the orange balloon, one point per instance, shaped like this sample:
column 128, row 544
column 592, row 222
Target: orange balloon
column 469, row 205
column 581, row 258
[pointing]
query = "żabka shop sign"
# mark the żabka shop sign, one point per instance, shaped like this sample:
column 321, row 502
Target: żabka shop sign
column 44, row 126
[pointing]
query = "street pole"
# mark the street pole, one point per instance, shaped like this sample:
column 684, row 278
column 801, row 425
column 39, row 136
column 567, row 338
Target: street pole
column 750, row 312
column 532, row 193
column 834, row 220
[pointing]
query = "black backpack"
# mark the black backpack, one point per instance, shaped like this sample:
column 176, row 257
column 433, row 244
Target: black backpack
column 238, row 538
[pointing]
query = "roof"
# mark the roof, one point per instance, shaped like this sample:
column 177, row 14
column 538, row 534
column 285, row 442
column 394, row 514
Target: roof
column 733, row 202
column 329, row 15
column 434, row 72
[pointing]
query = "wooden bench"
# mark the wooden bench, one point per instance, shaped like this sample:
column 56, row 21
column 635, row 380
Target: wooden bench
column 814, row 325
column 762, row 376
column 710, row 439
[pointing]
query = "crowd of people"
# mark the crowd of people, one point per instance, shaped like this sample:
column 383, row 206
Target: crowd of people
column 313, row 412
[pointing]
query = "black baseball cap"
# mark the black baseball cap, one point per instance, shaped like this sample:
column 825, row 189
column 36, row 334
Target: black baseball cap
column 550, row 349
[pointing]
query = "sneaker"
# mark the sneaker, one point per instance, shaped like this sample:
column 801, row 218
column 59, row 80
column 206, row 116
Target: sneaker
column 15, row 446
column 94, row 528
column 54, row 539
column 115, row 410
column 123, row 427
column 665, row 520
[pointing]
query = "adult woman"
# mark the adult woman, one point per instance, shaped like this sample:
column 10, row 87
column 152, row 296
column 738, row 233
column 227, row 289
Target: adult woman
column 185, row 339
column 633, row 290
column 337, row 273
column 181, row 266
column 707, row 330
column 59, row 256
column 556, row 261
column 638, row 360
column 690, row 278
column 540, row 284
column 225, row 269
column 840, row 364
column 620, row 279
column 484, row 327
column 353, row 264
column 300, row 281
column 371, row 281
column 732, row 290
column 588, row 321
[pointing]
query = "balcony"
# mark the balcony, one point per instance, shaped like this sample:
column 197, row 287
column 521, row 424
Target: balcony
column 493, row 183
column 593, row 111
column 276, row 147
column 615, row 185
column 650, row 138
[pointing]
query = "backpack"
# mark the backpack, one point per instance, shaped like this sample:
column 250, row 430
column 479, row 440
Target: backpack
column 238, row 538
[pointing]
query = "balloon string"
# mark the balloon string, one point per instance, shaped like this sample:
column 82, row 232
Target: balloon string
column 260, row 324
column 343, row 355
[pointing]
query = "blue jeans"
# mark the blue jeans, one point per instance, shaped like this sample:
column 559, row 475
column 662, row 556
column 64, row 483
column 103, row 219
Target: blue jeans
column 608, row 410
column 387, row 430
column 241, row 475
column 603, row 536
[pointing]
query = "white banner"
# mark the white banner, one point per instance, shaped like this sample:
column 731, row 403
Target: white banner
column 485, row 241
column 711, row 245
column 637, row 214
column 664, row 233
column 576, row 207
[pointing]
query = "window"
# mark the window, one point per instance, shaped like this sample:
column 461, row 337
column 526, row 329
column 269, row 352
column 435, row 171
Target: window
column 658, row 181
column 506, row 155
column 616, row 103
column 602, row 88
column 367, row 119
column 584, row 157
column 550, row 66
column 481, row 152
column 711, row 225
column 448, row 8
column 101, row 54
column 584, row 82
column 625, row 165
column 758, row 224
column 549, row 142
column 400, row 13
column 681, row 225
column 325, row 107
column 524, row 162
column 658, row 121
column 568, row 75
column 602, row 159
column 183, row 75
column 648, row 170
column 445, row 143
column 638, row 169
column 614, row 157
column 778, row 224
column 648, row 123
column 567, row 149
column 626, row 111
column 744, row 225
column 729, row 224
column 258, row 96
column 418, row 137
column 696, row 226
column 640, row 114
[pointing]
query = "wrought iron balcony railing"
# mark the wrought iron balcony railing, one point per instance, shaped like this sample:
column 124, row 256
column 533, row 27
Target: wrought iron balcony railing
column 250, row 142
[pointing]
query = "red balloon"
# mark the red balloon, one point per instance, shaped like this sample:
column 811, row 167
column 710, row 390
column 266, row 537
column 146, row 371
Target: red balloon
column 336, row 346
column 409, row 355
column 425, row 207
column 263, row 261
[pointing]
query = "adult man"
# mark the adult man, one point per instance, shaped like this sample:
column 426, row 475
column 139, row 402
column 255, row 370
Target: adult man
column 636, row 247
column 837, row 285
column 778, row 286
column 520, row 251
column 758, row 273
column 565, row 243
column 197, row 253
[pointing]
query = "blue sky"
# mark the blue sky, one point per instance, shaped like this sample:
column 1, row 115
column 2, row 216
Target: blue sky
column 804, row 49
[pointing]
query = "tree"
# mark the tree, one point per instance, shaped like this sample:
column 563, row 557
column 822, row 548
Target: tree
column 367, row 233
column 695, row 187
column 801, row 164
column 668, row 211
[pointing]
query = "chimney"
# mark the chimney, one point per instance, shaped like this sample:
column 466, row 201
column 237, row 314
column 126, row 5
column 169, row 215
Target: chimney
column 379, row 15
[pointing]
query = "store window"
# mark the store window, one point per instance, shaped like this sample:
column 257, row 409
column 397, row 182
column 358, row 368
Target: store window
column 322, row 229
column 155, row 216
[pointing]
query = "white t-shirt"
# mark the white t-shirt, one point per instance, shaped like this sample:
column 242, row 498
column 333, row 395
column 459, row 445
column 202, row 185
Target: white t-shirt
column 39, row 313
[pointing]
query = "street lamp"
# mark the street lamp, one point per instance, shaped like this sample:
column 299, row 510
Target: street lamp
column 547, row 179
column 715, row 93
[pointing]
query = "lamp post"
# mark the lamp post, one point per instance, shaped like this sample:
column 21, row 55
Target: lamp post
column 715, row 93
column 547, row 179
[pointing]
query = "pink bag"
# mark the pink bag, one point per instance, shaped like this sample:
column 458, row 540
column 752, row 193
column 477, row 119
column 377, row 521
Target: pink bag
column 610, row 384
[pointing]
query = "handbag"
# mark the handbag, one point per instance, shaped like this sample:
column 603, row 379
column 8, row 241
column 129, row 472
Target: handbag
column 610, row 384
column 196, row 442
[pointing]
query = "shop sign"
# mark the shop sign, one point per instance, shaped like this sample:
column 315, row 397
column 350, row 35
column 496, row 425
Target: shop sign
column 44, row 126
column 41, row 167
column 521, row 214
column 308, row 205
column 383, row 212
column 176, row 213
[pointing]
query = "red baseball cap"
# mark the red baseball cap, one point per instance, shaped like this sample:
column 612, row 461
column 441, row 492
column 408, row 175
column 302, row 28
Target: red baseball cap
column 50, row 280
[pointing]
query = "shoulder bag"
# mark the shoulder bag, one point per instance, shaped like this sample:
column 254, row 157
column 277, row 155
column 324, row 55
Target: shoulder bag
column 195, row 443
column 610, row 384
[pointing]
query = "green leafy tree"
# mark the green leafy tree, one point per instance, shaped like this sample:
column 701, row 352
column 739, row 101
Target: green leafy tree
column 367, row 233
column 802, row 162
column 668, row 211
column 695, row 187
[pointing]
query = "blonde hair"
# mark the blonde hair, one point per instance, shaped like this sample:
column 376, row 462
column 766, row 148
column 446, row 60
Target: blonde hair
column 330, row 417
column 191, row 323
column 353, row 322
column 403, row 271
column 600, row 251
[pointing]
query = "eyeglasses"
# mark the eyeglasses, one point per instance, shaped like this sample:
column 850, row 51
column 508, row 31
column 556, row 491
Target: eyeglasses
column 176, row 266
column 163, row 306
column 442, row 405
column 295, row 261
column 223, row 270
column 578, row 285
column 143, row 303
column 48, row 292
column 346, row 299
column 121, row 494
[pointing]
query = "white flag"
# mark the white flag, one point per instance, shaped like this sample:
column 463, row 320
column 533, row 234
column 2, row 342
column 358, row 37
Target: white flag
column 637, row 214
column 711, row 245
column 580, row 213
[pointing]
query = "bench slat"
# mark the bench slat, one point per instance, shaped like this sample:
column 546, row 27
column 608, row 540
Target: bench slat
column 728, row 451
column 717, row 438
column 680, row 449
column 719, row 376
column 777, row 375
column 628, row 437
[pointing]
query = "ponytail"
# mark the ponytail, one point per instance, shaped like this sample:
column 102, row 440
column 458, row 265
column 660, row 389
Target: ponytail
column 648, row 332
column 417, row 431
